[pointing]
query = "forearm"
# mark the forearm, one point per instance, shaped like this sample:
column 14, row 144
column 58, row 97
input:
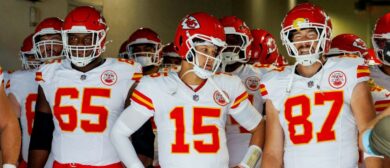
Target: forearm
column 41, row 139
column 37, row 158
column 373, row 162
column 125, row 126
column 10, row 142
column 258, row 136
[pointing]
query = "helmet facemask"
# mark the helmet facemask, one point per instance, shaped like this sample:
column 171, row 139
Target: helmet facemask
column 236, row 49
column 171, row 61
column 29, row 60
column 146, row 58
column 83, row 54
column 317, row 47
column 381, row 45
column 48, row 49
column 211, row 63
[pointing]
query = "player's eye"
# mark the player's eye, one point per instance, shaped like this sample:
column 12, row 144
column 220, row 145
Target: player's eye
column 88, row 41
column 73, row 40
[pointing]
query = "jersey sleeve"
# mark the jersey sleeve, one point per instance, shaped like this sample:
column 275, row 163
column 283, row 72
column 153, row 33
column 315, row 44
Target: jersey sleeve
column 137, row 73
column 141, row 100
column 362, row 73
column 46, row 71
column 241, row 109
column 10, row 88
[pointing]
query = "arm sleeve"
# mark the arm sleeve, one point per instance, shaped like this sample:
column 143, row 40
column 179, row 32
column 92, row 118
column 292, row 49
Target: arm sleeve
column 128, row 122
column 133, row 118
column 42, row 132
column 242, row 110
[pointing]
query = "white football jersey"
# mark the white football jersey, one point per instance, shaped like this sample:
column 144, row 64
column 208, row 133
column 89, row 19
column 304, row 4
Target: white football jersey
column 319, row 127
column 238, row 138
column 24, row 88
column 191, row 121
column 380, row 86
column 173, row 68
column 5, row 80
column 85, row 106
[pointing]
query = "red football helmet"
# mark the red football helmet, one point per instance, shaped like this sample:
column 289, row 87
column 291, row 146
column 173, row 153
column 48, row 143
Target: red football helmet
column 264, row 49
column 381, row 39
column 348, row 44
column 84, row 20
column 307, row 16
column 170, row 57
column 281, row 61
column 50, row 47
column 28, row 54
column 123, row 51
column 200, row 29
column 371, row 58
column 238, row 39
column 148, row 37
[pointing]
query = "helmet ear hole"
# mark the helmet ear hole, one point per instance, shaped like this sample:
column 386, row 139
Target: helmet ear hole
column 190, row 56
column 180, row 41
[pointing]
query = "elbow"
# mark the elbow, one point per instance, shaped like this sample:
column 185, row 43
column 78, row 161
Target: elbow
column 120, row 132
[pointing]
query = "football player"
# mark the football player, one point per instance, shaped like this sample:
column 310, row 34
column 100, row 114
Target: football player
column 171, row 60
column 144, row 46
column 380, row 74
column 234, row 59
column 190, row 107
column 264, row 49
column 315, row 108
column 22, row 86
column 22, row 89
column 264, row 52
column 48, row 40
column 80, row 97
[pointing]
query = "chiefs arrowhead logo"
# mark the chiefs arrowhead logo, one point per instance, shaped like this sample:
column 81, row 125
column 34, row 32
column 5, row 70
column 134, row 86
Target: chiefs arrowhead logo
column 271, row 44
column 252, row 83
column 337, row 79
column 190, row 23
column 218, row 98
column 359, row 43
column 108, row 77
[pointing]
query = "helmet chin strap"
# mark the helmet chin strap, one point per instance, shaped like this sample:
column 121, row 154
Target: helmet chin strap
column 289, row 86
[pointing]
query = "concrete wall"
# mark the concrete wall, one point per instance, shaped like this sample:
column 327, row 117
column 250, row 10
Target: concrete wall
column 15, row 26
column 263, row 14
column 163, row 16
